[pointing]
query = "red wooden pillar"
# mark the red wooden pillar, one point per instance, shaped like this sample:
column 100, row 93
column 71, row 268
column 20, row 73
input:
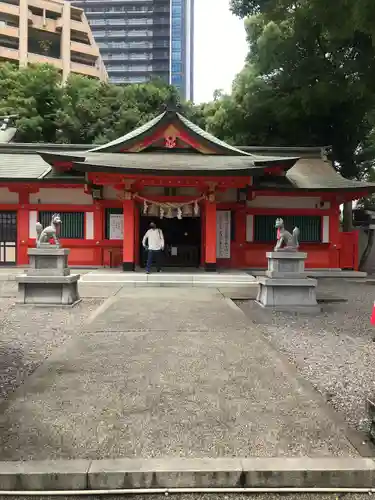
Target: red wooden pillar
column 23, row 229
column 203, row 234
column 137, row 235
column 210, row 236
column 334, row 238
column 99, row 231
column 238, row 247
column 128, row 252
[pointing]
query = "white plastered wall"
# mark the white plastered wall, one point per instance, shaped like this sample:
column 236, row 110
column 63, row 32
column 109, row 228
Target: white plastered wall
column 33, row 219
column 7, row 196
column 153, row 190
column 187, row 191
column 70, row 196
column 287, row 202
column 229, row 195
column 110, row 193
column 325, row 230
column 89, row 225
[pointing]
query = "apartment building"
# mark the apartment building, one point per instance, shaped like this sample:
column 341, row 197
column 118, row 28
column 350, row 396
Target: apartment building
column 144, row 39
column 49, row 31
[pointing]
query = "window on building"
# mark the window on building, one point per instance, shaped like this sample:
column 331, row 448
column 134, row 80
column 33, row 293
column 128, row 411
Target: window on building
column 117, row 79
column 130, row 67
column 176, row 79
column 176, row 44
column 96, row 22
column 139, row 33
column 176, row 55
column 310, row 227
column 176, row 67
column 72, row 223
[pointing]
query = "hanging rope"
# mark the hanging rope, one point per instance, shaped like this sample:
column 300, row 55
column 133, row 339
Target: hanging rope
column 167, row 207
column 166, row 204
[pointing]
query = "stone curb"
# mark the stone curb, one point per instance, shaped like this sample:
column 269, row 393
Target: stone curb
column 114, row 474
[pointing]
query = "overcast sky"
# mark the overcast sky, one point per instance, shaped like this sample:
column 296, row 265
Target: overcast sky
column 219, row 48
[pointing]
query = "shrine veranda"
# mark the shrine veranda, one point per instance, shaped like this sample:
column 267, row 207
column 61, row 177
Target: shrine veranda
column 215, row 203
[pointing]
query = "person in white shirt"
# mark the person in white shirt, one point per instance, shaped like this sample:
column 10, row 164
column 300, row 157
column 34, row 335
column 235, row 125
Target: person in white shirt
column 153, row 242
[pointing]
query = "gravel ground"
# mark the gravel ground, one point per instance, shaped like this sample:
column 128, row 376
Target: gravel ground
column 28, row 336
column 334, row 350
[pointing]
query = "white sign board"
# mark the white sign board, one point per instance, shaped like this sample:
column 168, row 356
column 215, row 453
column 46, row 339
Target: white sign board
column 223, row 236
column 116, row 227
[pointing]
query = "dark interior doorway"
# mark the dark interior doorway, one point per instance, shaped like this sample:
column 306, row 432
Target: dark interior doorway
column 182, row 240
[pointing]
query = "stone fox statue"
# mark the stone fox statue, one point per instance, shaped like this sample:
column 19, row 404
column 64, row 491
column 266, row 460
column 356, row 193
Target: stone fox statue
column 50, row 232
column 285, row 240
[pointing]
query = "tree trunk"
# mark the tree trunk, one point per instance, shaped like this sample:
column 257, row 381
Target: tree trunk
column 348, row 216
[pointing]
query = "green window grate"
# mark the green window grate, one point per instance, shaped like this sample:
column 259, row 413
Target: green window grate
column 310, row 227
column 72, row 223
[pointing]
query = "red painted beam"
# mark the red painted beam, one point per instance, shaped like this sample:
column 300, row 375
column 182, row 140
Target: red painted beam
column 288, row 211
column 168, row 181
column 34, row 187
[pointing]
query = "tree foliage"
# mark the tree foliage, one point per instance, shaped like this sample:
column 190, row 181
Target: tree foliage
column 35, row 94
column 313, row 66
column 83, row 110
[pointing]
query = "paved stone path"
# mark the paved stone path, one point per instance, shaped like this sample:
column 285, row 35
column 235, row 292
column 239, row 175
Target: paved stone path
column 166, row 372
column 213, row 496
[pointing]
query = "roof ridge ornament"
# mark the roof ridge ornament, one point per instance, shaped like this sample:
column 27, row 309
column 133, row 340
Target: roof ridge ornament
column 172, row 104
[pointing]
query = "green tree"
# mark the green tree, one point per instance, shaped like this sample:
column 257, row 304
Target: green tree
column 317, row 59
column 35, row 95
column 318, row 56
column 81, row 111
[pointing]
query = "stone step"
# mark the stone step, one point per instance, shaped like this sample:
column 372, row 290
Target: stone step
column 212, row 284
column 321, row 273
column 83, row 476
column 171, row 279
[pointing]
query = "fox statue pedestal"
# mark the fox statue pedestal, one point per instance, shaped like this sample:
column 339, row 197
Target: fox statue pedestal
column 48, row 280
column 286, row 286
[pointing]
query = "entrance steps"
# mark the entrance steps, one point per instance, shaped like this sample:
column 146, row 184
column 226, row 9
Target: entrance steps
column 171, row 279
column 320, row 273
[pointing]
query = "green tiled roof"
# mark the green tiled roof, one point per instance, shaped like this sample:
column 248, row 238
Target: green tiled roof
column 155, row 121
column 320, row 175
column 169, row 161
column 211, row 138
column 20, row 166
column 131, row 135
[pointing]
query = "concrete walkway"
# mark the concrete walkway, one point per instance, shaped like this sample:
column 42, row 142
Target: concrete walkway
column 167, row 372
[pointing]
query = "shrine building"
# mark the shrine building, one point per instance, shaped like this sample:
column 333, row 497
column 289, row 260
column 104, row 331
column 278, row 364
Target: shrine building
column 215, row 203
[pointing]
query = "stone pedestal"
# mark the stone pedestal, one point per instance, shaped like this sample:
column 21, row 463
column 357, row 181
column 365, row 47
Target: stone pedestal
column 48, row 280
column 285, row 286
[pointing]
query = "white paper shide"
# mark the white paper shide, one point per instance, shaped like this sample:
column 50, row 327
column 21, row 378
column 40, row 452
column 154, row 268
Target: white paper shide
column 223, row 234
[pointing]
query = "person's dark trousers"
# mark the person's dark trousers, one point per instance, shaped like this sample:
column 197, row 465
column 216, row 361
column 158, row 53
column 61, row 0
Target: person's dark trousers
column 153, row 256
